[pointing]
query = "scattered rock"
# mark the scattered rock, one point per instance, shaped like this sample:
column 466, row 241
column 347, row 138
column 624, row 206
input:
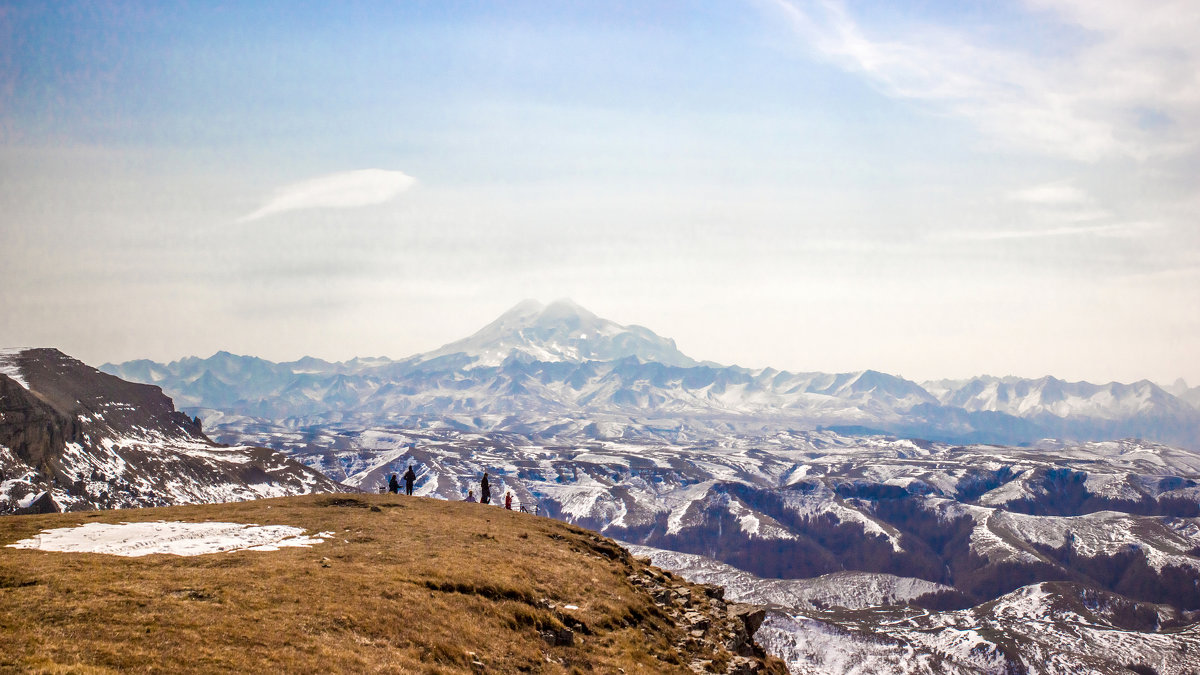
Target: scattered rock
column 564, row 637
column 697, row 620
column 751, row 616
column 715, row 636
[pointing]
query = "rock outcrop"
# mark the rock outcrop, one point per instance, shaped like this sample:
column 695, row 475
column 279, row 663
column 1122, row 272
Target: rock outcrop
column 74, row 438
column 718, row 636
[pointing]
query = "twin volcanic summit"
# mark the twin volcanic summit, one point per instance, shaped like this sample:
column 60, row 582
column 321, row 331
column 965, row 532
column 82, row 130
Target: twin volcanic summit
column 985, row 525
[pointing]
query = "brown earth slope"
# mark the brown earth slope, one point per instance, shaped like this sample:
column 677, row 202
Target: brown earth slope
column 405, row 585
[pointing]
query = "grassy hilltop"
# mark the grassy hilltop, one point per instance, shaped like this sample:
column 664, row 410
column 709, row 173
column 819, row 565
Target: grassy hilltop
column 405, row 585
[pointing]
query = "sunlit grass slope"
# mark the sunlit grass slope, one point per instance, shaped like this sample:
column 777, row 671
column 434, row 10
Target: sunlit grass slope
column 406, row 585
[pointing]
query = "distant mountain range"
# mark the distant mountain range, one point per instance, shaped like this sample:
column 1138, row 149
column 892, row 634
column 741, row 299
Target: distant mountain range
column 560, row 370
column 73, row 438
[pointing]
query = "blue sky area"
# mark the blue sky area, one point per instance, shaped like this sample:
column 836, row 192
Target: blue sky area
column 933, row 189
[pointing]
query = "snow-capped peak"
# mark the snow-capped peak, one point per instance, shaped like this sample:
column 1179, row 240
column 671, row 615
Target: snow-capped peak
column 560, row 331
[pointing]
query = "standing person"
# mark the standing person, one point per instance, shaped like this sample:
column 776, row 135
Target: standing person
column 409, row 477
column 508, row 500
column 485, row 491
column 393, row 485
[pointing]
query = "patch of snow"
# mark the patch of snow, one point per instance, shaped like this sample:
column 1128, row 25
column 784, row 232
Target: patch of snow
column 172, row 538
column 9, row 367
column 28, row 500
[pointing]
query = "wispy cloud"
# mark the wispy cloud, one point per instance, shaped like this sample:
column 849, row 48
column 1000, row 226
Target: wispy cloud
column 1132, row 89
column 1052, row 194
column 1113, row 230
column 1060, row 207
column 346, row 190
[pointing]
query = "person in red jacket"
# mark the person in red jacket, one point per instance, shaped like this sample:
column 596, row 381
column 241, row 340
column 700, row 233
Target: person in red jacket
column 508, row 500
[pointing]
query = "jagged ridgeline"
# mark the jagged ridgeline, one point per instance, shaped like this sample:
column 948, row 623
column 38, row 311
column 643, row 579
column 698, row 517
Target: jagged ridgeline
column 559, row 369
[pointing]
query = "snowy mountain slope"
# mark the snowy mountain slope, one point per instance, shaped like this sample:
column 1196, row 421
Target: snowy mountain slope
column 1180, row 389
column 982, row 520
column 847, row 590
column 879, row 554
column 866, row 623
column 74, row 438
column 1042, row 629
column 1077, row 409
column 552, row 370
column 1051, row 396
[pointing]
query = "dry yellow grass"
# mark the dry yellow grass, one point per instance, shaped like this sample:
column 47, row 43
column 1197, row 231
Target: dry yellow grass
column 412, row 585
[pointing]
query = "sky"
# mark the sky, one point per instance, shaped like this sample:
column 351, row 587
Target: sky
column 930, row 189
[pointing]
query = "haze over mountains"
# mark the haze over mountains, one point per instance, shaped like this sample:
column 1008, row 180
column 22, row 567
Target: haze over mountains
column 560, row 370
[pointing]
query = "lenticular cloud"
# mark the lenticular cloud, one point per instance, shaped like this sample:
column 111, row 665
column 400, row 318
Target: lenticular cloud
column 346, row 190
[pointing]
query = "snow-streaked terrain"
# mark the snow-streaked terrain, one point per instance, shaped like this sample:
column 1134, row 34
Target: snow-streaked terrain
column 878, row 554
column 812, row 503
column 73, row 438
column 172, row 538
column 846, row 590
column 10, row 367
column 1041, row 629
column 863, row 623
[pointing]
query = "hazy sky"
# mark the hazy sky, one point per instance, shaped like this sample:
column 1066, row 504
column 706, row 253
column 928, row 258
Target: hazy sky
column 932, row 189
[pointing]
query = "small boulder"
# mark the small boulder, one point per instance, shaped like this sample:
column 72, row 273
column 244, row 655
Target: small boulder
column 563, row 637
column 751, row 616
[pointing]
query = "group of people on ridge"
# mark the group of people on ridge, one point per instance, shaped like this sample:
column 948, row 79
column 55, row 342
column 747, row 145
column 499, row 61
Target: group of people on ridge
column 485, row 494
column 485, row 489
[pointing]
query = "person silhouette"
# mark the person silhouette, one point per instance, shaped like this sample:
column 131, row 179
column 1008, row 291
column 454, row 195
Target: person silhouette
column 409, row 477
column 485, row 490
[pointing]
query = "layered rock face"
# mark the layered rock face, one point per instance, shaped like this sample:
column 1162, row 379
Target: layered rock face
column 73, row 438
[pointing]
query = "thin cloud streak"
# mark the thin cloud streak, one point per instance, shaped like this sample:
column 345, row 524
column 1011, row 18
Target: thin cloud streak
column 1052, row 194
column 346, row 190
column 1115, row 230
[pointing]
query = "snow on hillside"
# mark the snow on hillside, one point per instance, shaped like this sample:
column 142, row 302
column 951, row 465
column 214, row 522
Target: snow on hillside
column 1041, row 629
column 849, row 590
column 9, row 366
column 73, row 438
column 852, row 622
column 171, row 538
